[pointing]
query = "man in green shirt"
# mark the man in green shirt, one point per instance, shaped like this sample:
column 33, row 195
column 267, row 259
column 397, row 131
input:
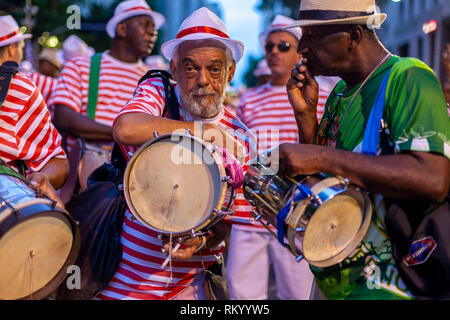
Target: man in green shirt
column 340, row 41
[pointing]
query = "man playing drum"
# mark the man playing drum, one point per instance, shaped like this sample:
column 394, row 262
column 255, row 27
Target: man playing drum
column 27, row 132
column 340, row 41
column 202, row 61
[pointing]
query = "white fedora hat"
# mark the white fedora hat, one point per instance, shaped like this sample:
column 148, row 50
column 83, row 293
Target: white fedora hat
column 203, row 24
column 279, row 23
column 131, row 8
column 262, row 69
column 52, row 56
column 156, row 62
column 73, row 46
column 325, row 12
column 10, row 31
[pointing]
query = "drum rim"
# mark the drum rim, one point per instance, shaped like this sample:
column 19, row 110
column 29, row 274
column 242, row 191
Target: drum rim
column 354, row 242
column 222, row 194
column 25, row 213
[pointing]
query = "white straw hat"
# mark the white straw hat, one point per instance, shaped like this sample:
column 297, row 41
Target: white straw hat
column 262, row 69
column 279, row 23
column 10, row 32
column 131, row 8
column 325, row 12
column 51, row 55
column 203, row 24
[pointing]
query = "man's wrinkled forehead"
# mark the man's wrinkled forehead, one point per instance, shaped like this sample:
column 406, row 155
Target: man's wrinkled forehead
column 190, row 46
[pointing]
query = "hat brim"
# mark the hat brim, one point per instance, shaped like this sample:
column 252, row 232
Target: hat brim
column 14, row 39
column 376, row 20
column 236, row 47
column 157, row 17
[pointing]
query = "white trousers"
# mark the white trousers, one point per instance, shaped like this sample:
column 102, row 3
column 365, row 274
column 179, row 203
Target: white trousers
column 249, row 257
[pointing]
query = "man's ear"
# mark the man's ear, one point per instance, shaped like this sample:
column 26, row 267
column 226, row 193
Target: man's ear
column 121, row 30
column 356, row 35
column 232, row 70
column 173, row 70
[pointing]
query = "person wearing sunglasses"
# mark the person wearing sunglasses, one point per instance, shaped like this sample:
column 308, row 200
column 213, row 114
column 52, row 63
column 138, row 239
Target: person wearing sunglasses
column 266, row 111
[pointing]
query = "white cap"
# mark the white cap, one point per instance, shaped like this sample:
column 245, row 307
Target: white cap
column 279, row 23
column 10, row 32
column 156, row 62
column 73, row 46
column 131, row 8
column 203, row 24
column 262, row 69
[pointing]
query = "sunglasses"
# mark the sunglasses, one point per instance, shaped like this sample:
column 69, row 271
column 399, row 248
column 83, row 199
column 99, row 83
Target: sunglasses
column 282, row 47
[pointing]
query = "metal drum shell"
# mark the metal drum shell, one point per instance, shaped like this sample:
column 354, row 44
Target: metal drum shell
column 215, row 215
column 29, row 206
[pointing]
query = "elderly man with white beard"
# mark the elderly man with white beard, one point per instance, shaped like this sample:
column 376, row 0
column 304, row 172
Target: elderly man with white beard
column 202, row 62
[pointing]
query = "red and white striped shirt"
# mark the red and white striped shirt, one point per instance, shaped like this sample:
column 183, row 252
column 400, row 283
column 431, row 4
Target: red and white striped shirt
column 117, row 82
column 266, row 111
column 140, row 275
column 45, row 84
column 26, row 130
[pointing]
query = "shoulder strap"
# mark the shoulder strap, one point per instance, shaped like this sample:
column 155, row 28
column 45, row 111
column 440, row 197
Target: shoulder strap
column 94, row 75
column 7, row 71
column 374, row 123
column 171, row 108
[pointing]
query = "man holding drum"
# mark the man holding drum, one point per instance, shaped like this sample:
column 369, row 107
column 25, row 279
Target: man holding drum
column 338, row 40
column 27, row 132
column 202, row 60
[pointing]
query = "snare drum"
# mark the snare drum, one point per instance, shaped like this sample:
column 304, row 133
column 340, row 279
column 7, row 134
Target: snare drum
column 176, row 184
column 38, row 242
column 324, row 226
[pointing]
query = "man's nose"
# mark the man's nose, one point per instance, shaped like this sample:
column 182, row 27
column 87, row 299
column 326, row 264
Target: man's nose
column 202, row 79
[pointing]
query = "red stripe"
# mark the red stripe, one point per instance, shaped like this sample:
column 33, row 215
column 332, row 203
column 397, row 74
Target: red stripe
column 202, row 29
column 138, row 8
column 10, row 35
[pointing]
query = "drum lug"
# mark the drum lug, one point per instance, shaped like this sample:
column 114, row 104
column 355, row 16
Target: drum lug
column 218, row 212
column 316, row 199
column 300, row 229
column 226, row 179
column 257, row 217
column 130, row 154
column 188, row 131
column 120, row 187
column 155, row 134
column 228, row 212
column 299, row 258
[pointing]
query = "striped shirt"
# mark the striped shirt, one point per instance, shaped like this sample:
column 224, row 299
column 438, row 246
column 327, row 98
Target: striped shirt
column 45, row 84
column 26, row 130
column 140, row 275
column 267, row 112
column 117, row 82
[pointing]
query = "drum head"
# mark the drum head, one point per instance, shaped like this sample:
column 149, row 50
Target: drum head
column 336, row 229
column 173, row 184
column 32, row 253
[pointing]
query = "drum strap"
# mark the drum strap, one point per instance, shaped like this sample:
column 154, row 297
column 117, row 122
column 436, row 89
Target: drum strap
column 304, row 193
column 94, row 75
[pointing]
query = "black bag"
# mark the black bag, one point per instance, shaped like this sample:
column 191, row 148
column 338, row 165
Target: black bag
column 100, row 211
column 420, row 238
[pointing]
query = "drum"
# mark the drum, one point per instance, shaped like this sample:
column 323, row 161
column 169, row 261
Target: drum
column 176, row 184
column 324, row 218
column 38, row 242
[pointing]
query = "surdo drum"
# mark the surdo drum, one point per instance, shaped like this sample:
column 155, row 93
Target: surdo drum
column 323, row 218
column 176, row 185
column 38, row 242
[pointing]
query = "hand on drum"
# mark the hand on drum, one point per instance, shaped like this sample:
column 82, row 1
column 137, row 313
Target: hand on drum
column 233, row 168
column 184, row 248
column 40, row 181
column 300, row 159
column 219, row 137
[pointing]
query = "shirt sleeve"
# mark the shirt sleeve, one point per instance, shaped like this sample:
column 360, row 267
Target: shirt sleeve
column 38, row 141
column 68, row 90
column 149, row 98
column 416, row 113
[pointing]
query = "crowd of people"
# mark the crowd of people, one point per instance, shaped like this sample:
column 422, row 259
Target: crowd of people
column 317, row 83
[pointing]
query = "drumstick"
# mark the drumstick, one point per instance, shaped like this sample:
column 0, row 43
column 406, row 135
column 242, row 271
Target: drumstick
column 177, row 246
